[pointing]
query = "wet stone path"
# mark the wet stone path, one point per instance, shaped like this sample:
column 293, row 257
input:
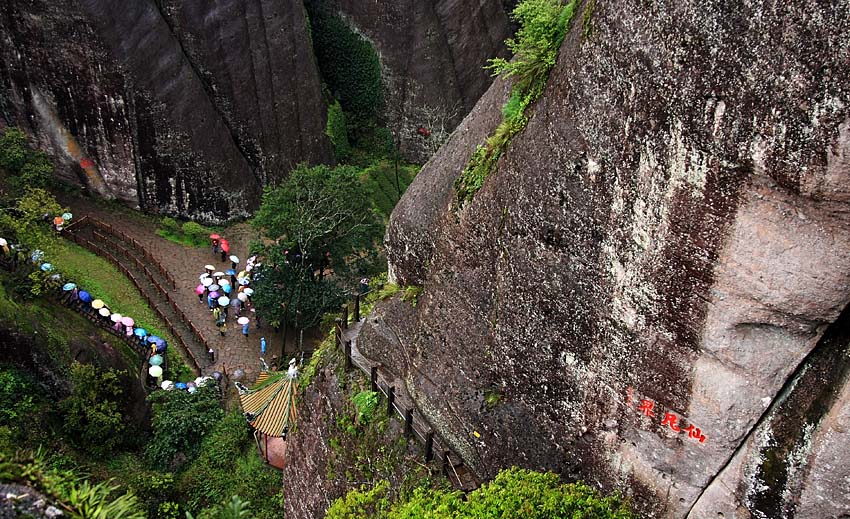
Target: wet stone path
column 184, row 265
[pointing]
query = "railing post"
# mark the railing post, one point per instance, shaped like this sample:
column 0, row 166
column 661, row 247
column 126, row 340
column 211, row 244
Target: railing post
column 344, row 317
column 348, row 362
column 357, row 308
column 408, row 423
column 338, row 330
column 390, row 400
column 429, row 446
column 446, row 463
column 374, row 378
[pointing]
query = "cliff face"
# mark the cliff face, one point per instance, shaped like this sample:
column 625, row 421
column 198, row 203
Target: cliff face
column 649, row 291
column 432, row 54
column 179, row 107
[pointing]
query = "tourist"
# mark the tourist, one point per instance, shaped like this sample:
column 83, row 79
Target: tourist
column 217, row 315
column 263, row 346
column 211, row 355
column 222, row 329
column 245, row 328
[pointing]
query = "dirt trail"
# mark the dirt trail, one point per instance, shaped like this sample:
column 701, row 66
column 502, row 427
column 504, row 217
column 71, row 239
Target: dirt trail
column 185, row 265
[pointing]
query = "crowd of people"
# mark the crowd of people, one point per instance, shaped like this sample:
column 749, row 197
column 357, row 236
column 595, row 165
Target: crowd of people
column 227, row 293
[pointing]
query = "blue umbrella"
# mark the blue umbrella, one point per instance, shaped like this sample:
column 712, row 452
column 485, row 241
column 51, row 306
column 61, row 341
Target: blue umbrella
column 226, row 289
column 37, row 255
column 244, row 281
column 67, row 287
column 180, row 385
column 84, row 296
column 230, row 272
column 67, row 216
column 153, row 338
column 46, row 267
column 140, row 332
column 213, row 287
column 155, row 360
column 161, row 347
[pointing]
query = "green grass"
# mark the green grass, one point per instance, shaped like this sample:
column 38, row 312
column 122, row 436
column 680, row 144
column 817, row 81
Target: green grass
column 103, row 281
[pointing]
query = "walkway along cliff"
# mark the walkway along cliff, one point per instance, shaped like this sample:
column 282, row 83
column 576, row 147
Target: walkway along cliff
column 649, row 290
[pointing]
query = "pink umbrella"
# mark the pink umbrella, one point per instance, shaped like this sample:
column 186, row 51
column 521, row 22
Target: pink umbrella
column 199, row 289
column 127, row 321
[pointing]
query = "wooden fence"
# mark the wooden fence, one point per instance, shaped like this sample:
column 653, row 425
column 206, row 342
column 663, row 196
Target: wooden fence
column 415, row 425
column 142, row 266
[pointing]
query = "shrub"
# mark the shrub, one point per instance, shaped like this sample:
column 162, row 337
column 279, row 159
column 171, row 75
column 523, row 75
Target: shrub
column 13, row 150
column 411, row 294
column 38, row 170
column 195, row 231
column 92, row 415
column 365, row 402
column 337, row 131
column 180, row 422
column 170, row 225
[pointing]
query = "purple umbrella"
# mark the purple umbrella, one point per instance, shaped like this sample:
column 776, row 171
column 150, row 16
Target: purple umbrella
column 214, row 295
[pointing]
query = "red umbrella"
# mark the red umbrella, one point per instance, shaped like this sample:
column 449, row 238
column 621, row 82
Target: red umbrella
column 225, row 246
column 214, row 236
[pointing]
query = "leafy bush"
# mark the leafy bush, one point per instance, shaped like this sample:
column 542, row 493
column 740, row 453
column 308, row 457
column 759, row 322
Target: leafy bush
column 195, row 231
column 93, row 421
column 170, row 225
column 513, row 494
column 18, row 394
column 13, row 150
column 180, row 422
column 227, row 464
column 411, row 294
column 38, row 171
column 337, row 131
column 29, row 168
column 543, row 25
column 365, row 402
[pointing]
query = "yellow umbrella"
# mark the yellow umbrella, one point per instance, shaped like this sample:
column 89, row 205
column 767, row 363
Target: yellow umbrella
column 97, row 304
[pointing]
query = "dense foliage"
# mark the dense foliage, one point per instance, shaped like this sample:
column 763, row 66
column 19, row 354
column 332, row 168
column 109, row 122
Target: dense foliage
column 180, row 422
column 337, row 131
column 319, row 222
column 513, row 494
column 27, row 167
column 543, row 25
column 93, row 421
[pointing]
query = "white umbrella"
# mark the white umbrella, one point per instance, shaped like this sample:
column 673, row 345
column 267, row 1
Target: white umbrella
column 204, row 275
column 218, row 274
column 249, row 291
column 155, row 371
column 243, row 320
column 224, row 300
column 242, row 297
column 207, row 282
column 3, row 242
column 223, row 281
column 116, row 317
column 104, row 312
column 234, row 259
column 209, row 267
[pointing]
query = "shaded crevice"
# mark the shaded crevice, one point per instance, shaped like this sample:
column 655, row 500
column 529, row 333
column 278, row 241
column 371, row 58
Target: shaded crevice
column 788, row 425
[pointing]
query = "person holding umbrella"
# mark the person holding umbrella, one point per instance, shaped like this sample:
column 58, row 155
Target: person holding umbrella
column 225, row 249
column 263, row 346
column 214, row 240
column 233, row 262
column 222, row 329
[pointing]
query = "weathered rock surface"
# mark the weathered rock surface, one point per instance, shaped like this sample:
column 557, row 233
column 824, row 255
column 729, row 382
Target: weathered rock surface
column 185, row 108
column 432, row 53
column 663, row 249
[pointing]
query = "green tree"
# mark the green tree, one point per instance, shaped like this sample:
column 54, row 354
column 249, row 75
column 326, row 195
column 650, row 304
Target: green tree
column 92, row 413
column 37, row 171
column 180, row 422
column 13, row 150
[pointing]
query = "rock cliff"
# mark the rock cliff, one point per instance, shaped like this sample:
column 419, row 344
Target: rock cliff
column 432, row 56
column 185, row 108
column 650, row 290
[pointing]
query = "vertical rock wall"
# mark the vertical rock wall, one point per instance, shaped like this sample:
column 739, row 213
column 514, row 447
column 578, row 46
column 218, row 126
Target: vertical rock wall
column 184, row 109
column 647, row 292
column 432, row 53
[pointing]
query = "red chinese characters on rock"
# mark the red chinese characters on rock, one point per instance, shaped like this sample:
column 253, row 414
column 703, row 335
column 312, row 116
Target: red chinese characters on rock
column 671, row 420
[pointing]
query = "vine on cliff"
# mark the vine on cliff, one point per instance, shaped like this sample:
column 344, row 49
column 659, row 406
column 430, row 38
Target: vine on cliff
column 543, row 25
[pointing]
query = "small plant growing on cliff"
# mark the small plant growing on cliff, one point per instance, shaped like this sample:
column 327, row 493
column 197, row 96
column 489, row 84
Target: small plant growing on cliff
column 365, row 402
column 543, row 25
column 411, row 294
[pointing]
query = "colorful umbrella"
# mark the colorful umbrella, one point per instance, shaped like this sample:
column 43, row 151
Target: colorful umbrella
column 180, row 385
column 243, row 320
column 214, row 236
column 207, row 282
column 67, row 216
column 161, row 346
column 223, row 300
column 204, row 275
column 97, row 304
column 242, row 297
column 223, row 281
column 167, row 385
column 47, row 267
column 116, row 317
column 227, row 289
column 37, row 255
column 140, row 332
column 218, row 274
column 241, row 275
column 234, row 259
column 127, row 321
column 244, row 281
column 3, row 242
column 214, row 287
column 67, row 287
column 153, row 338
column 200, row 289
column 104, row 312
column 209, row 267
column 191, row 389
column 155, row 360
column 214, row 295
column 58, row 220
column 85, row 297
column 155, row 371
column 216, row 375
column 249, row 291
column 225, row 246
column 230, row 272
